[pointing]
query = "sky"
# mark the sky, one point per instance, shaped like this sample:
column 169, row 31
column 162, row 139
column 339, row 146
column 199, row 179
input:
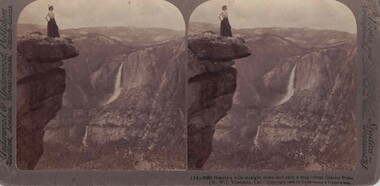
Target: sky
column 316, row 14
column 98, row 13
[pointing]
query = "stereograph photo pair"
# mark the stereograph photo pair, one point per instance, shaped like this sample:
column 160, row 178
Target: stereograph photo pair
column 236, row 92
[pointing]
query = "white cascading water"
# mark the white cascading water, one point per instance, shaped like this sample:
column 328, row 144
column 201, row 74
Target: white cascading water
column 117, row 89
column 84, row 142
column 290, row 90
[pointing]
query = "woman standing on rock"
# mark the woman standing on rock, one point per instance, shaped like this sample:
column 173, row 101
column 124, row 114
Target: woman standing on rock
column 52, row 28
column 225, row 27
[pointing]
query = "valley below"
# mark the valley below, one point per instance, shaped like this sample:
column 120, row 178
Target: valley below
column 294, row 105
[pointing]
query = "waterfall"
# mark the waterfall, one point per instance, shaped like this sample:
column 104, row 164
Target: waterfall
column 290, row 90
column 84, row 143
column 117, row 89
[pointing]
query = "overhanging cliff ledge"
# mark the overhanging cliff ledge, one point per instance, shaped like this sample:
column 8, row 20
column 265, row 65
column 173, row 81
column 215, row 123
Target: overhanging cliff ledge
column 40, row 86
column 211, row 86
column 211, row 47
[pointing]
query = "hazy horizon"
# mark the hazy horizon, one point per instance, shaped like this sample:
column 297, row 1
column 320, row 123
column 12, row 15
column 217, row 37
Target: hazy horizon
column 269, row 27
column 141, row 27
column 72, row 14
column 313, row 14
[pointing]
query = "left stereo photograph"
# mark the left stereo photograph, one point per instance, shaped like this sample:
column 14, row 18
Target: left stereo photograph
column 101, row 86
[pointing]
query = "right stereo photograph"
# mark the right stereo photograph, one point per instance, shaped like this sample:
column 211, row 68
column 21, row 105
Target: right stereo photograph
column 272, row 86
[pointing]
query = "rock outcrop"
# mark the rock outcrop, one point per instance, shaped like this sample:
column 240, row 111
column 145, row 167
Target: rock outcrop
column 211, row 47
column 211, row 87
column 40, row 86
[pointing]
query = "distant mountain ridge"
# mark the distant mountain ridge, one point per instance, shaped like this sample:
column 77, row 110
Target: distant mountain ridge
column 304, row 37
column 130, row 36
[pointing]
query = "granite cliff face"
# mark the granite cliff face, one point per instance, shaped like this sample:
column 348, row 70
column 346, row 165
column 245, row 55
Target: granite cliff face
column 85, row 88
column 144, row 119
column 40, row 86
column 316, row 124
column 211, row 87
column 294, row 104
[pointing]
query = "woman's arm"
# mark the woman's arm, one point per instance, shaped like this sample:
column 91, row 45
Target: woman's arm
column 220, row 16
column 47, row 17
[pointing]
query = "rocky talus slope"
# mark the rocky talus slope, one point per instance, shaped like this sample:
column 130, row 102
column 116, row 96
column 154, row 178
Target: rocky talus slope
column 211, row 87
column 40, row 86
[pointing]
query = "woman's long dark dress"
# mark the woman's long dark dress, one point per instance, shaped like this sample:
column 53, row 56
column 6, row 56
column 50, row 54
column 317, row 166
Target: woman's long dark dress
column 52, row 28
column 225, row 28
